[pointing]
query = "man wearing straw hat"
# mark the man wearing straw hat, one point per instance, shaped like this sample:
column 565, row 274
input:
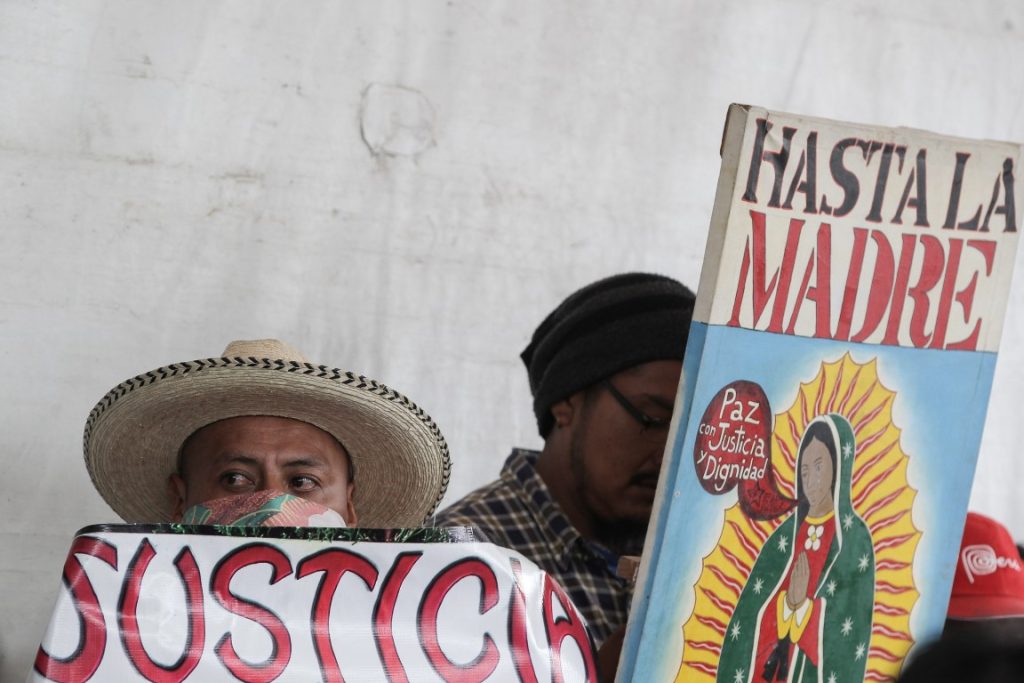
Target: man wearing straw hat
column 261, row 420
column 604, row 369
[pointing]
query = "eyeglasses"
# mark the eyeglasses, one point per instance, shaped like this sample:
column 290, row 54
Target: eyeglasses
column 640, row 416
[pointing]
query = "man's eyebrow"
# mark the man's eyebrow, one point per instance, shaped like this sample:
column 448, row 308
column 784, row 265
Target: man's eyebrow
column 233, row 458
column 307, row 463
column 236, row 459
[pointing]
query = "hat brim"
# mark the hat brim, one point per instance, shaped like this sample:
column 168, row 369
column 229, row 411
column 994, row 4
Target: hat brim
column 973, row 607
column 133, row 435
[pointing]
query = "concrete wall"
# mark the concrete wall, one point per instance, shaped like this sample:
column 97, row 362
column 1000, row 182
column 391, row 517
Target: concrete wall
column 403, row 189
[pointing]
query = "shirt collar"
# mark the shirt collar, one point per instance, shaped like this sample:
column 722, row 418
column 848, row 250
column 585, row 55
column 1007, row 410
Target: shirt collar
column 520, row 470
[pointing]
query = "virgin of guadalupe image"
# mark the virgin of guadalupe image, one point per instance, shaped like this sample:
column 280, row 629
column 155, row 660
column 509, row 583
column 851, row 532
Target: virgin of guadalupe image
column 805, row 611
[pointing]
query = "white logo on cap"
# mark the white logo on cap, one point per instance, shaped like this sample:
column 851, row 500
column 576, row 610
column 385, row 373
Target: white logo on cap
column 979, row 560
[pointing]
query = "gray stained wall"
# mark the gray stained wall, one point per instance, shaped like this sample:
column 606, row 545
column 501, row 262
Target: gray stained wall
column 403, row 189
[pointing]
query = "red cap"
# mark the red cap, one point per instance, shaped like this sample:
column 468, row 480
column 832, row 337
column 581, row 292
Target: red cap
column 989, row 579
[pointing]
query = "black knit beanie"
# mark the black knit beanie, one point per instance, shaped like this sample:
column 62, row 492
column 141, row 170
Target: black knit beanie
column 606, row 327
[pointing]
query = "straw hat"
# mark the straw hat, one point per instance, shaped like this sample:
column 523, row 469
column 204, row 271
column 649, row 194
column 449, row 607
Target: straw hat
column 133, row 435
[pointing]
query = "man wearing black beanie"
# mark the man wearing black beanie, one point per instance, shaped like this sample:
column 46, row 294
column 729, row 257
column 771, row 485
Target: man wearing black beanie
column 604, row 368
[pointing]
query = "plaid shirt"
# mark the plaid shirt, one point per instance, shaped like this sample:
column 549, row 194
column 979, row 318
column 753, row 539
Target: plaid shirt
column 517, row 512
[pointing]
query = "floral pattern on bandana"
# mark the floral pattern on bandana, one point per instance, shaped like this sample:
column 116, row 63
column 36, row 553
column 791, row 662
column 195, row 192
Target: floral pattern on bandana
column 263, row 509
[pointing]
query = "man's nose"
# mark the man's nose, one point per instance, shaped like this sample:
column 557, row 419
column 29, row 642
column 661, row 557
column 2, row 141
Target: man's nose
column 272, row 481
column 658, row 449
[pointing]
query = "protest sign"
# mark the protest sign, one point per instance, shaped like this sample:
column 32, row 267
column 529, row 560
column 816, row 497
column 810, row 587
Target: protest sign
column 175, row 603
column 835, row 385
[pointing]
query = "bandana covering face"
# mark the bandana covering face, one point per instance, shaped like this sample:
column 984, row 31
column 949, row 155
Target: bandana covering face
column 263, row 508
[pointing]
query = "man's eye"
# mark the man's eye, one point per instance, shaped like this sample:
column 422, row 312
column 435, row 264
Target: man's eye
column 303, row 483
column 235, row 480
column 654, row 422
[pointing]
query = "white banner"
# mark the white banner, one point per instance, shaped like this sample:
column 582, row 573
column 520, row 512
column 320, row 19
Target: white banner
column 152, row 603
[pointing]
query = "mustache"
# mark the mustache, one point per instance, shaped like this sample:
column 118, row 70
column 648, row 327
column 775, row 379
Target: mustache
column 644, row 479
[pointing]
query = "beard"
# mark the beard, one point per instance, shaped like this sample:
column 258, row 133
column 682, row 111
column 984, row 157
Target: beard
column 621, row 536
